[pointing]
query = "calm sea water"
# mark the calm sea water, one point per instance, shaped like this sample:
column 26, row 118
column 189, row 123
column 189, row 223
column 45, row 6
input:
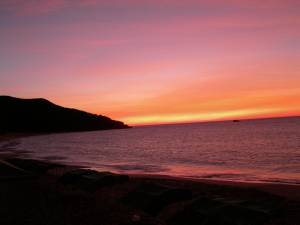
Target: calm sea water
column 252, row 151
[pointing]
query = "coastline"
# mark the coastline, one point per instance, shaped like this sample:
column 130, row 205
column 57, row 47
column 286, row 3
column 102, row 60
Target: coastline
column 137, row 198
column 291, row 191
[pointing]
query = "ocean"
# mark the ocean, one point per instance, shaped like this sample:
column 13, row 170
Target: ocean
column 266, row 150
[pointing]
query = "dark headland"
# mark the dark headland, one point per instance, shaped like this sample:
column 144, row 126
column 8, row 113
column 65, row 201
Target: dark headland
column 41, row 115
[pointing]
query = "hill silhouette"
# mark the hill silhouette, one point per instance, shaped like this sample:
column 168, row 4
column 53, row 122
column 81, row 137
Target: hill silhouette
column 41, row 115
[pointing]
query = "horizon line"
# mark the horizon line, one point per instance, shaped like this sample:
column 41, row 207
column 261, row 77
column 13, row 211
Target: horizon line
column 215, row 121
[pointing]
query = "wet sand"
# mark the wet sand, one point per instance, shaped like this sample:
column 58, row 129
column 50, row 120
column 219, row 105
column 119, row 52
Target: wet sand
column 41, row 192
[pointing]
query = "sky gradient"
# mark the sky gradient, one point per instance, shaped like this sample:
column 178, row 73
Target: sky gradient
column 158, row 61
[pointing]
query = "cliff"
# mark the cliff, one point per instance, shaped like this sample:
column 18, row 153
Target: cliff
column 41, row 115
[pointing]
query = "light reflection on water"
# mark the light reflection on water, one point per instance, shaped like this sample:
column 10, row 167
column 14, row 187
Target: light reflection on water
column 258, row 150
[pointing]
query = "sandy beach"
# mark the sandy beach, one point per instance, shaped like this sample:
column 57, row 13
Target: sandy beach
column 41, row 192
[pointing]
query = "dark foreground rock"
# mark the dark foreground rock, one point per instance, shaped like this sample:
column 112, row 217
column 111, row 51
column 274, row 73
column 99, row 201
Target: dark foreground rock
column 153, row 198
column 214, row 211
column 92, row 180
column 63, row 195
column 33, row 166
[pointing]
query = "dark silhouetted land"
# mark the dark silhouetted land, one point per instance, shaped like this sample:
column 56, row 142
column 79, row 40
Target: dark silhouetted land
column 41, row 115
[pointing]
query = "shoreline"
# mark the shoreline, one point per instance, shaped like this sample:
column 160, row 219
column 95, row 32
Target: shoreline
column 67, row 194
column 292, row 190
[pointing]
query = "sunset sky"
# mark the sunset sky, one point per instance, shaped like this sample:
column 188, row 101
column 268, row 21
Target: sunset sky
column 154, row 61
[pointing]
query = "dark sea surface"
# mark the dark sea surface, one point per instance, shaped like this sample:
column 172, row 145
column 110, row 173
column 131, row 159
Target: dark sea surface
column 250, row 151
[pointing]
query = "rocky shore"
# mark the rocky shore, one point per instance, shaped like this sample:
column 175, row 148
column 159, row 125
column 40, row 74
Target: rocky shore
column 39, row 192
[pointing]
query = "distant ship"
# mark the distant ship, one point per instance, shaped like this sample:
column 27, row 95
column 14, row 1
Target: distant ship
column 235, row 121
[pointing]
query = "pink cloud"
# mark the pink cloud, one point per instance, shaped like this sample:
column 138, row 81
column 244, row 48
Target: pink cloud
column 35, row 8
column 31, row 7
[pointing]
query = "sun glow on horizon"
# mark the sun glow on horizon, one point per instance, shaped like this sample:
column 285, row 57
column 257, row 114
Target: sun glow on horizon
column 202, row 117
